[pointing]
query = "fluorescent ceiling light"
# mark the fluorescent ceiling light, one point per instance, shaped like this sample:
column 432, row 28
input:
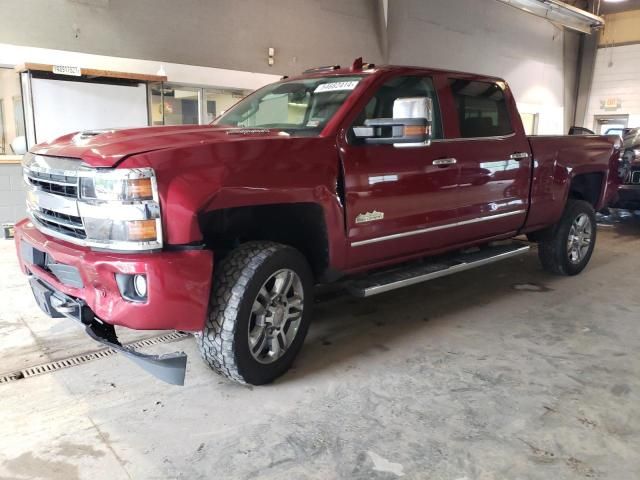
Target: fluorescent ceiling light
column 559, row 12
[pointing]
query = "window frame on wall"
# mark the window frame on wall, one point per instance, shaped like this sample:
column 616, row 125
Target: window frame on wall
column 237, row 94
column 37, row 71
column 201, row 90
column 11, row 115
column 599, row 121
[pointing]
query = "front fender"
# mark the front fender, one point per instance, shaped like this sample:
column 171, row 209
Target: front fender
column 213, row 176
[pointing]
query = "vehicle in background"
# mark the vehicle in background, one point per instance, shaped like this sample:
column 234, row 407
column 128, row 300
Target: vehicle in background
column 381, row 177
column 612, row 131
column 629, row 190
column 618, row 131
column 580, row 131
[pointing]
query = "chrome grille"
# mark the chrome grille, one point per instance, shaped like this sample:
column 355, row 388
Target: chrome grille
column 52, row 195
column 65, row 185
column 60, row 222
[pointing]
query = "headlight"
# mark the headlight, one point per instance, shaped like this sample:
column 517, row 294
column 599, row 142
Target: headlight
column 120, row 208
column 129, row 185
column 107, row 230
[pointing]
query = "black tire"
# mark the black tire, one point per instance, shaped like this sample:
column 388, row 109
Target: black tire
column 552, row 248
column 224, row 342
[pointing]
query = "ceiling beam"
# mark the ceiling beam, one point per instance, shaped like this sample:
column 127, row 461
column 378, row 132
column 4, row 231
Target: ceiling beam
column 561, row 13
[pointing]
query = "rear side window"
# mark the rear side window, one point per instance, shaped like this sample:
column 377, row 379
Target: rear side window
column 482, row 109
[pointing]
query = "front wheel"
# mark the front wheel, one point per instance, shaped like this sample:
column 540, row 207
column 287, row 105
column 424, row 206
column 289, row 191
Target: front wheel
column 568, row 247
column 259, row 312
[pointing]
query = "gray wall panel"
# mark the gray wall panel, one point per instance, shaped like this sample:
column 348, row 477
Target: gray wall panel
column 12, row 193
column 232, row 34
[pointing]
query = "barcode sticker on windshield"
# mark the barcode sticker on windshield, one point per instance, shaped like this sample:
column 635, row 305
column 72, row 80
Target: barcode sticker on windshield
column 336, row 86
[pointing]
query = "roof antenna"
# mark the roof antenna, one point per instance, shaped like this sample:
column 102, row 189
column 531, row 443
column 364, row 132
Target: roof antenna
column 357, row 64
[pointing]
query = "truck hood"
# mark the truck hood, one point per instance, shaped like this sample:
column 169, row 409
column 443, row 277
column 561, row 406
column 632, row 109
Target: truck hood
column 106, row 148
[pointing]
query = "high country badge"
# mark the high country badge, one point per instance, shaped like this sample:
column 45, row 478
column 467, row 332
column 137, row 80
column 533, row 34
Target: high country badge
column 369, row 217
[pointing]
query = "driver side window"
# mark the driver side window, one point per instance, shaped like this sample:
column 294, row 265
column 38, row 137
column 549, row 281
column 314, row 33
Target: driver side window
column 381, row 104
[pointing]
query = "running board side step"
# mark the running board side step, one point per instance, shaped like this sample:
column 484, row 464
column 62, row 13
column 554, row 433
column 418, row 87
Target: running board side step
column 412, row 274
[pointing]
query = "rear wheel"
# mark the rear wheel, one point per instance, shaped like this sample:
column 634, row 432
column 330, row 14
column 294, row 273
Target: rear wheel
column 567, row 248
column 259, row 312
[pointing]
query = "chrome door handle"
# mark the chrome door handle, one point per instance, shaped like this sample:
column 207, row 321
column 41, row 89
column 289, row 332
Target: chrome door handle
column 445, row 161
column 519, row 155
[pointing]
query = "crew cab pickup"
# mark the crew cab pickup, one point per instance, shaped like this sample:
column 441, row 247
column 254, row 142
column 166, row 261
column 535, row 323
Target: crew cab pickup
column 379, row 177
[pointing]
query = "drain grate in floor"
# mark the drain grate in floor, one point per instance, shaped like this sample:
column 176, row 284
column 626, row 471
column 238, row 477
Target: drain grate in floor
column 86, row 357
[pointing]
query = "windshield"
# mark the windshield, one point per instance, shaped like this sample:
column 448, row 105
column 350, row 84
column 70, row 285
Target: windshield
column 301, row 107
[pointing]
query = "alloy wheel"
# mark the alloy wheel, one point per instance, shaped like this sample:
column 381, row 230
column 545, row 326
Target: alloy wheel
column 580, row 237
column 275, row 316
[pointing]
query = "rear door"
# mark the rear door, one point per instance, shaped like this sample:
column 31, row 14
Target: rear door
column 493, row 154
column 397, row 198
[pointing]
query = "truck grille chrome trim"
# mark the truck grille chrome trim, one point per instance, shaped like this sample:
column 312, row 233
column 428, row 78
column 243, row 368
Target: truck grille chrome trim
column 57, row 207
column 435, row 229
column 64, row 224
column 65, row 185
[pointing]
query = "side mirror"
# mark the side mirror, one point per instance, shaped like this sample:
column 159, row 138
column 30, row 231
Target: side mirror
column 409, row 127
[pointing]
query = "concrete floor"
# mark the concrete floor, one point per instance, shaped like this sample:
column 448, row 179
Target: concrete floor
column 503, row 372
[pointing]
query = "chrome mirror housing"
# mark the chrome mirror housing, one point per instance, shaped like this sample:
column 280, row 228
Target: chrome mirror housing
column 409, row 127
column 415, row 108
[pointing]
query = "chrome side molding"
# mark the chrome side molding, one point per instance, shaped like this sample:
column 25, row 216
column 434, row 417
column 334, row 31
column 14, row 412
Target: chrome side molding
column 439, row 227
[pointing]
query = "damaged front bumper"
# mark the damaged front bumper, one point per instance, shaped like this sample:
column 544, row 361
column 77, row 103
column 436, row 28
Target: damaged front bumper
column 170, row 368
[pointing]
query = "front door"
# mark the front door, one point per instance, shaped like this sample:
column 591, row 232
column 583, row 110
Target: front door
column 398, row 198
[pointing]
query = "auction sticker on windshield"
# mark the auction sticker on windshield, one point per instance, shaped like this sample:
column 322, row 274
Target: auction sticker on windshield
column 336, row 86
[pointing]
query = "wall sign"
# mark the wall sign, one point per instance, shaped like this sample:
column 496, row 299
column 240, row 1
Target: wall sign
column 610, row 103
column 67, row 70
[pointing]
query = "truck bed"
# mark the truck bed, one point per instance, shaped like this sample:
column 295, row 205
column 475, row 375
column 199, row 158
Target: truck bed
column 556, row 160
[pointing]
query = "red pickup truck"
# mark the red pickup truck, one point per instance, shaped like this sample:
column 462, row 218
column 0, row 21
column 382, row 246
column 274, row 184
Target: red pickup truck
column 380, row 177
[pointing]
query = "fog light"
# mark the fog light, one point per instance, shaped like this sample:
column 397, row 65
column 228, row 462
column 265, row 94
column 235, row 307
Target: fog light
column 140, row 285
column 133, row 286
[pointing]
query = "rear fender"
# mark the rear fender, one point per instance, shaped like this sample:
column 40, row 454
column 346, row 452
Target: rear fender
column 561, row 163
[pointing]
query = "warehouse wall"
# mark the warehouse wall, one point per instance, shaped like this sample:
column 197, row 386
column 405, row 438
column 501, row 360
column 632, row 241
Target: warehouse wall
column 526, row 50
column 223, row 33
column 621, row 28
column 616, row 76
column 12, row 194
column 537, row 58
column 12, row 55
column 485, row 37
